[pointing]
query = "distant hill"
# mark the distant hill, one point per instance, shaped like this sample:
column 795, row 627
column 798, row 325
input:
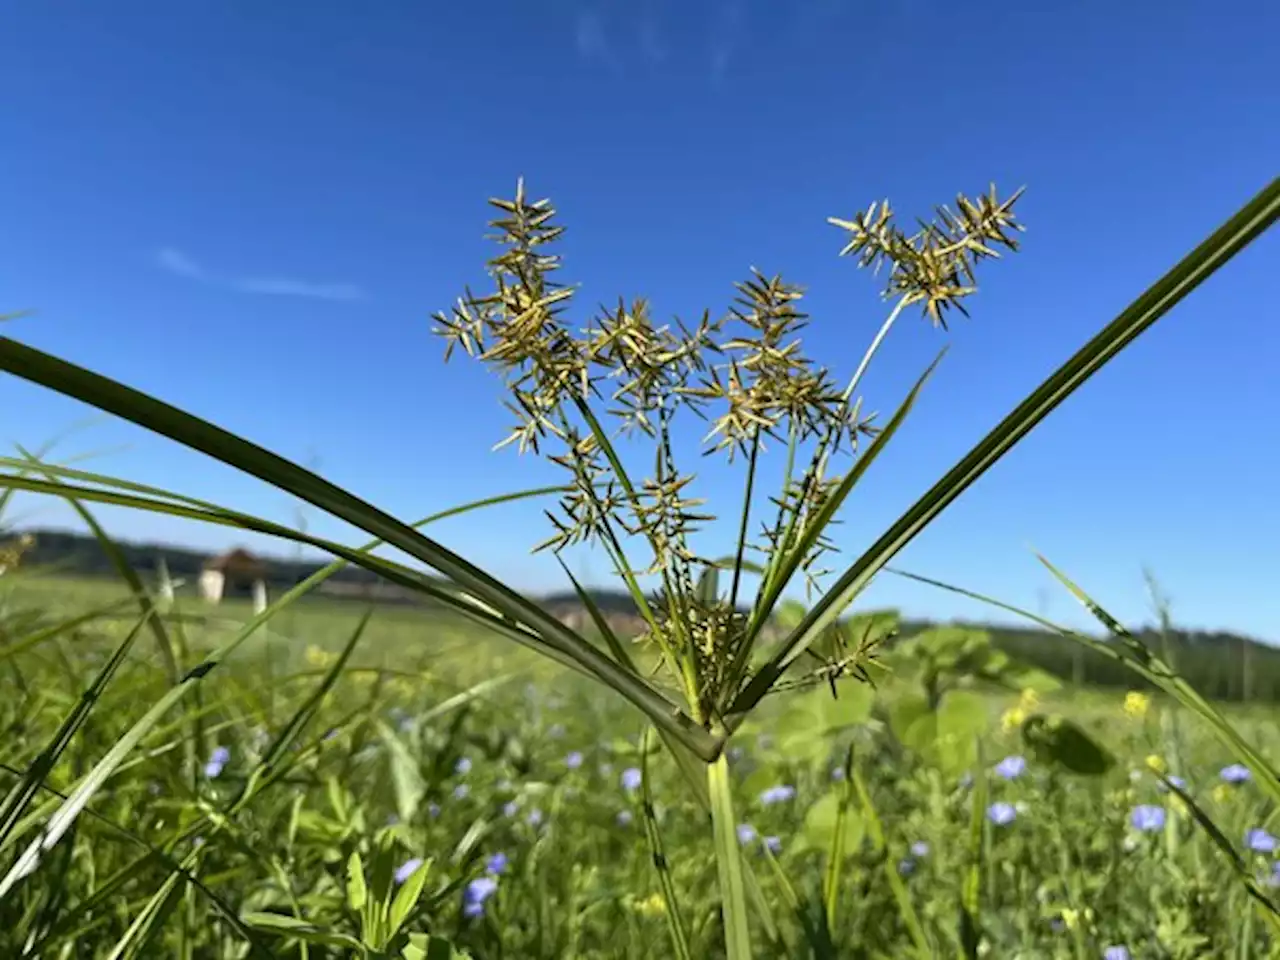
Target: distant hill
column 1221, row 665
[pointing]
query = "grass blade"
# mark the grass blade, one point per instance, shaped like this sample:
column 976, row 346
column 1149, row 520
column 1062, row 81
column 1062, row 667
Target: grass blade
column 17, row 800
column 1164, row 676
column 1148, row 666
column 971, row 891
column 1250, row 222
column 66, row 815
column 679, row 941
column 1266, row 905
column 168, row 421
column 129, row 576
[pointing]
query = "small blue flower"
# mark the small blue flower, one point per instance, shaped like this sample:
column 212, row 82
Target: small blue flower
column 778, row 794
column 1001, row 813
column 919, row 849
column 392, row 820
column 463, row 766
column 461, row 791
column 408, row 869
column 1147, row 817
column 433, row 810
column 906, row 866
column 624, row 818
column 217, row 760
column 477, row 892
column 1011, row 767
column 556, row 731
column 574, row 760
column 966, row 780
column 746, row 833
column 631, row 778
column 1259, row 841
column 1236, row 773
column 510, row 808
column 837, row 773
column 534, row 818
column 1116, row 952
column 774, row 844
column 496, row 865
column 736, row 753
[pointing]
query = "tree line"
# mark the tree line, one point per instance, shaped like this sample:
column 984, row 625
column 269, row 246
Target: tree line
column 1220, row 664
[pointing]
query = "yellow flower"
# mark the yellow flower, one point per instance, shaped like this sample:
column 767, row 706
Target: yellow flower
column 400, row 687
column 1221, row 793
column 1136, row 704
column 1072, row 917
column 1179, row 806
column 1017, row 715
column 1156, row 763
column 651, row 906
column 317, row 657
column 1013, row 718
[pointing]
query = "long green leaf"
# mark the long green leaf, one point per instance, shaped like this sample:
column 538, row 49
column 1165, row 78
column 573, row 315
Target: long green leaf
column 783, row 568
column 1250, row 222
column 1148, row 666
column 162, row 418
column 18, row 798
column 66, row 815
column 679, row 941
column 130, row 576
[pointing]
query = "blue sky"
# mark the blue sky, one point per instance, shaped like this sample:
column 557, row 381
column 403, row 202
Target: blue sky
column 251, row 210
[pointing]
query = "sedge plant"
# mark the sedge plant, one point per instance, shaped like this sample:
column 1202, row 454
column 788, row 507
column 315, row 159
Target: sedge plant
column 572, row 391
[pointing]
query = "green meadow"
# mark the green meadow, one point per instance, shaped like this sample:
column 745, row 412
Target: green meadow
column 413, row 739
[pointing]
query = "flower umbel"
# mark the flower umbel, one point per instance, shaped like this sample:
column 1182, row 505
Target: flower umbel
column 565, row 382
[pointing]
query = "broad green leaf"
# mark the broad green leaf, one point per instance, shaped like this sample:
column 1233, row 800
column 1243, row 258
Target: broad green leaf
column 911, row 712
column 286, row 926
column 357, row 892
column 962, row 719
column 426, row 947
column 818, row 831
column 1055, row 740
column 407, row 897
column 406, row 777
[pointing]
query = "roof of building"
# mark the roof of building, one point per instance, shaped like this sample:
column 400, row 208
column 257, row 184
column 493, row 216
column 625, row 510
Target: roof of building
column 238, row 561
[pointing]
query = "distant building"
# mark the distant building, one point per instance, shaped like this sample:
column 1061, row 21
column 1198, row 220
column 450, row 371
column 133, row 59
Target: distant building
column 237, row 573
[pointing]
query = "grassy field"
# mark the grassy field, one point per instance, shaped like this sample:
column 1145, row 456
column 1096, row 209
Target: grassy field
column 517, row 785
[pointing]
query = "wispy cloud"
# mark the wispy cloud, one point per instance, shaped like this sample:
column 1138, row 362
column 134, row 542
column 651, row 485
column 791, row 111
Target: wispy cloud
column 285, row 287
column 589, row 36
column 175, row 261
column 651, row 44
column 726, row 32
column 178, row 263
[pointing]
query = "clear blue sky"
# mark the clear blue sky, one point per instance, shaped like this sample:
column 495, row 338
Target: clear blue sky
column 251, row 210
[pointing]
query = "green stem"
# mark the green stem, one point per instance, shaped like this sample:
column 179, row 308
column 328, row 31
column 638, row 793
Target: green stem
column 746, row 518
column 737, row 933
